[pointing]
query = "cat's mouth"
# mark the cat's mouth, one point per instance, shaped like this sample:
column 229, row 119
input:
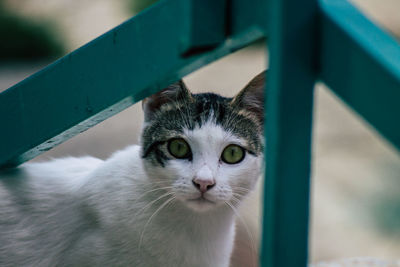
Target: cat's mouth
column 201, row 199
column 200, row 204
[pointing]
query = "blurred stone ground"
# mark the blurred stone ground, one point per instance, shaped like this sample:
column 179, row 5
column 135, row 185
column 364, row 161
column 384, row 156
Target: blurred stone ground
column 356, row 174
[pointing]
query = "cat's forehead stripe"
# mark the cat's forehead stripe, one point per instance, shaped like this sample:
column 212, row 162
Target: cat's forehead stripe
column 212, row 133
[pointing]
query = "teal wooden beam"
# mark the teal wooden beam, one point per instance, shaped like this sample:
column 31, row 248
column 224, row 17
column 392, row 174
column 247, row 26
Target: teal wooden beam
column 293, row 42
column 205, row 26
column 119, row 68
column 361, row 64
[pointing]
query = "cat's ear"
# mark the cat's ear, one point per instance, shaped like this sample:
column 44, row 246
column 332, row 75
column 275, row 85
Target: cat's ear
column 251, row 97
column 173, row 93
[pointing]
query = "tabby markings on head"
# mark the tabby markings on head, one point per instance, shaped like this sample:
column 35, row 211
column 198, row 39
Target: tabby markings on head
column 174, row 110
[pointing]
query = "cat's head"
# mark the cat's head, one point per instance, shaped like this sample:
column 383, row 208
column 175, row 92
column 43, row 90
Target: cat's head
column 205, row 149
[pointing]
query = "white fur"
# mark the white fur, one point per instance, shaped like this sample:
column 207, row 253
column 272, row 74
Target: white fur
column 124, row 211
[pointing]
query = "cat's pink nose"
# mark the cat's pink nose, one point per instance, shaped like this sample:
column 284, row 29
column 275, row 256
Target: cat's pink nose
column 203, row 185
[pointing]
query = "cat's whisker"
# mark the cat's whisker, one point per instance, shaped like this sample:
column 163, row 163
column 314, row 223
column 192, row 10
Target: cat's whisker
column 241, row 194
column 154, row 201
column 238, row 201
column 153, row 190
column 238, row 195
column 153, row 183
column 249, row 234
column 151, row 217
column 241, row 188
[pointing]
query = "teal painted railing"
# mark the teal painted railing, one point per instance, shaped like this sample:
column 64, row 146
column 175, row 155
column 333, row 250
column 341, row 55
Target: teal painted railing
column 309, row 40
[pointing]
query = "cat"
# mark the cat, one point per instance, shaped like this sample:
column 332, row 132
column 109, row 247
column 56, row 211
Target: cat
column 169, row 202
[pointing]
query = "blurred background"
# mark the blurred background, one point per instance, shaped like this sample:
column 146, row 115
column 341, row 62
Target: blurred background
column 355, row 173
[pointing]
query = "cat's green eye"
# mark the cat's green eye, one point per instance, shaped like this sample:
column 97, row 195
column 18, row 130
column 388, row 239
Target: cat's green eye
column 179, row 148
column 233, row 154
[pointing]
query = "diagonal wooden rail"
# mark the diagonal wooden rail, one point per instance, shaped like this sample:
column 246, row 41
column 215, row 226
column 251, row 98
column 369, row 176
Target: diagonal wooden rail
column 328, row 40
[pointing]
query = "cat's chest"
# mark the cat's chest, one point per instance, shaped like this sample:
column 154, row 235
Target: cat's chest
column 188, row 246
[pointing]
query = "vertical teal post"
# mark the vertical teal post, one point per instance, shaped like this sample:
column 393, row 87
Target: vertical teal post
column 289, row 99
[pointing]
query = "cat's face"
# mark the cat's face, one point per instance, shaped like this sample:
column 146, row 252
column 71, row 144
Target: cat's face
column 206, row 150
